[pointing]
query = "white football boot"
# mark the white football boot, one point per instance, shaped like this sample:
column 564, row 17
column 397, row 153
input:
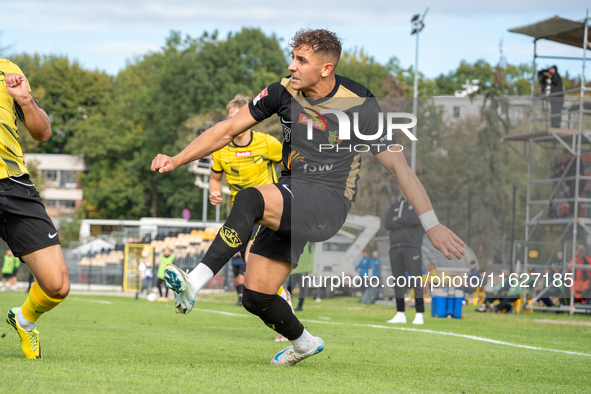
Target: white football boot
column 288, row 356
column 184, row 290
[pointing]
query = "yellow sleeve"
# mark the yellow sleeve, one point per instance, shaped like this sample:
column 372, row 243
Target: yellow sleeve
column 275, row 149
column 216, row 166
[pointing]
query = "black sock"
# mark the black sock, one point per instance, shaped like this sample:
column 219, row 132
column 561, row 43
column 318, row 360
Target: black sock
column 274, row 311
column 420, row 305
column 240, row 291
column 400, row 305
column 248, row 208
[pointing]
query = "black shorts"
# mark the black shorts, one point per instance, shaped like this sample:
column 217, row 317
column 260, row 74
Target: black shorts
column 254, row 231
column 311, row 213
column 239, row 269
column 7, row 276
column 25, row 225
column 15, row 271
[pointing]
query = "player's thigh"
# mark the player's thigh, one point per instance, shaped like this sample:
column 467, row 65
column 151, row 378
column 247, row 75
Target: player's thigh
column 273, row 206
column 49, row 268
column 264, row 274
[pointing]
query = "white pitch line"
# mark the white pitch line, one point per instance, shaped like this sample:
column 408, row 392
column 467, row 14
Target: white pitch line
column 90, row 300
column 451, row 334
column 222, row 312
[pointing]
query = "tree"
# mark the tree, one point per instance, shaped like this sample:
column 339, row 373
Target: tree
column 67, row 92
column 153, row 97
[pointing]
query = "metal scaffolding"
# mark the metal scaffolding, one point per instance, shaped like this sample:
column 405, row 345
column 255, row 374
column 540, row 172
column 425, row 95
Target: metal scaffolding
column 574, row 136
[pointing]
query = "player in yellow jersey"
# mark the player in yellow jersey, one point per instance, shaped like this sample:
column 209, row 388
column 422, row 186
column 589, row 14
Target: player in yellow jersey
column 26, row 228
column 247, row 161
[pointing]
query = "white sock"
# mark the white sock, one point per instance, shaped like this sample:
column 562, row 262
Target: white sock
column 200, row 276
column 24, row 323
column 305, row 343
column 400, row 313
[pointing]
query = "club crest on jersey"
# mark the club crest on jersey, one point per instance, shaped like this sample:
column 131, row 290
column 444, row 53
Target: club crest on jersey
column 244, row 154
column 230, row 237
column 333, row 138
column 262, row 94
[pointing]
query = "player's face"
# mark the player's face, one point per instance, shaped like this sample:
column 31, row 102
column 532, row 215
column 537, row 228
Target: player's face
column 306, row 68
column 231, row 112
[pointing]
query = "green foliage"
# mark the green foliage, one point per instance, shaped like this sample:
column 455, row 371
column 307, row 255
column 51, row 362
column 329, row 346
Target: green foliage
column 67, row 92
column 517, row 78
column 361, row 67
column 153, row 97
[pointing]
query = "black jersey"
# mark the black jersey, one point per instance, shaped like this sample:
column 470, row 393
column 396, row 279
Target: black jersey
column 318, row 155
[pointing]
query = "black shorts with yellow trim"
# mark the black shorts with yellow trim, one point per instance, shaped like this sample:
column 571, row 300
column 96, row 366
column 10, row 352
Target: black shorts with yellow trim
column 311, row 213
column 25, row 224
column 256, row 228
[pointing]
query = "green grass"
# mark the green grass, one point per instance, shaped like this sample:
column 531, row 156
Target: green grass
column 138, row 346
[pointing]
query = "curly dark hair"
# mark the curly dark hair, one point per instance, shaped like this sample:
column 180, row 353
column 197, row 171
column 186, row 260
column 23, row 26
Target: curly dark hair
column 320, row 40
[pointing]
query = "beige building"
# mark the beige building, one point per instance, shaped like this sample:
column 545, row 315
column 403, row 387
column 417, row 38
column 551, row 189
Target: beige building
column 61, row 191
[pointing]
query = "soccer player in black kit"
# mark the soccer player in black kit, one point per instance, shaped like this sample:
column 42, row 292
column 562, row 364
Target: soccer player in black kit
column 317, row 185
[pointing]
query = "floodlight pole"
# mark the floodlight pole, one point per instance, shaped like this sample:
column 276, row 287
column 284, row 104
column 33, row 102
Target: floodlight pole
column 417, row 26
column 415, row 100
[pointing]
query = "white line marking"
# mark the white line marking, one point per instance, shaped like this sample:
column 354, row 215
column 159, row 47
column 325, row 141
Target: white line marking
column 89, row 300
column 222, row 312
column 451, row 334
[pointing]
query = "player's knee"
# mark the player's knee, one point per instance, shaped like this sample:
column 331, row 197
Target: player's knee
column 250, row 200
column 59, row 288
column 255, row 302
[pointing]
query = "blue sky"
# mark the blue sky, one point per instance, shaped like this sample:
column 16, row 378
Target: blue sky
column 105, row 34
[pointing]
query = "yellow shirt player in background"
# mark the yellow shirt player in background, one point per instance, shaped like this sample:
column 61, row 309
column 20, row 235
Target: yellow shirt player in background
column 247, row 161
column 27, row 229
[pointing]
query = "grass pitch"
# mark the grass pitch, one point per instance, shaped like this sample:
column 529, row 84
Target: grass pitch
column 117, row 344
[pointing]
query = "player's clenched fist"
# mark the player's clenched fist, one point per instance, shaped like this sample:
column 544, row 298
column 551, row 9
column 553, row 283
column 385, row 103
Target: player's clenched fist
column 215, row 198
column 163, row 163
column 17, row 86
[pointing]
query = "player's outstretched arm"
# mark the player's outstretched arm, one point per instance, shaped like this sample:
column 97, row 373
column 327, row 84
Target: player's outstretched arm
column 210, row 141
column 442, row 238
column 35, row 119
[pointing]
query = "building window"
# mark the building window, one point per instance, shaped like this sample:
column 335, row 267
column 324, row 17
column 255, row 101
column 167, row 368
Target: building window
column 49, row 175
column 456, row 112
column 68, row 203
column 68, row 179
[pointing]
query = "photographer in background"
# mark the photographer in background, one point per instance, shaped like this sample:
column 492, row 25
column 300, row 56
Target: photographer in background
column 553, row 86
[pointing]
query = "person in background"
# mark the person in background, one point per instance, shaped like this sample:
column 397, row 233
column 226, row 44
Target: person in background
column 12, row 281
column 557, row 95
column 146, row 274
column 363, row 269
column 428, row 278
column 406, row 238
column 582, row 278
column 375, row 265
column 305, row 267
column 473, row 273
column 8, row 268
column 499, row 293
column 238, row 268
column 165, row 259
